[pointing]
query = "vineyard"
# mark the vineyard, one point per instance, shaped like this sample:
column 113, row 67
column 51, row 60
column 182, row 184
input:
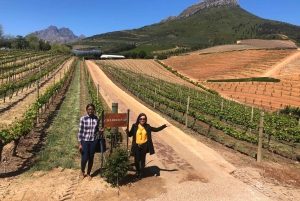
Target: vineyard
column 246, row 64
column 146, row 68
column 249, row 44
column 233, row 119
column 30, row 81
column 27, row 78
column 235, row 64
column 272, row 44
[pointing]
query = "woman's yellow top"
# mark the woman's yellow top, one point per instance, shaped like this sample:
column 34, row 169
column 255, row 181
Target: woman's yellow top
column 141, row 135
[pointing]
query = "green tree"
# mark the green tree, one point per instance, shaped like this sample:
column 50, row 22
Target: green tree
column 1, row 31
column 142, row 54
column 59, row 48
column 6, row 41
column 134, row 55
column 33, row 41
column 44, row 46
column 20, row 42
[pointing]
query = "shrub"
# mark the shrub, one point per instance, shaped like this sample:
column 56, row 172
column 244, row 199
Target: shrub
column 116, row 166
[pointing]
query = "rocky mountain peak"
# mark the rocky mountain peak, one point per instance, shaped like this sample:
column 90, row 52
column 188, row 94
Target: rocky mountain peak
column 55, row 35
column 201, row 6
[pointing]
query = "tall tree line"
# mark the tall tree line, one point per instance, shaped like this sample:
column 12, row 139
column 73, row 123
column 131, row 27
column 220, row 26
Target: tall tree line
column 30, row 41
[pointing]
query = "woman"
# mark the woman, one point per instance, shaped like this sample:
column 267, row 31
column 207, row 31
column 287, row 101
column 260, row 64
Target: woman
column 88, row 139
column 142, row 141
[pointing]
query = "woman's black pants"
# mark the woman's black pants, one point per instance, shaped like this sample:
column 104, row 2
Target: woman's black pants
column 140, row 156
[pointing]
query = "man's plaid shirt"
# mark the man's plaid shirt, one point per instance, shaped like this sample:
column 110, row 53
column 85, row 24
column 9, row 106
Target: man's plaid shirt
column 88, row 128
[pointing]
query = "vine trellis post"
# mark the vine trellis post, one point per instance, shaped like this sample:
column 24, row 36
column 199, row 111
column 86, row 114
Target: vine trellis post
column 98, row 91
column 222, row 105
column 154, row 98
column 37, row 96
column 260, row 137
column 187, row 111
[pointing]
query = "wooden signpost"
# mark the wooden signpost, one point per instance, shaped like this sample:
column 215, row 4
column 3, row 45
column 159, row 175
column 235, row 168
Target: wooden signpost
column 115, row 120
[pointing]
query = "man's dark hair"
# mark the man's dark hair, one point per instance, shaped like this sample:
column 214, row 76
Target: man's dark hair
column 90, row 105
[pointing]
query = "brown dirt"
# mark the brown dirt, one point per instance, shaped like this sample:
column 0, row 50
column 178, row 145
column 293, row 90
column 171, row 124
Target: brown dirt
column 186, row 166
column 232, row 64
column 246, row 63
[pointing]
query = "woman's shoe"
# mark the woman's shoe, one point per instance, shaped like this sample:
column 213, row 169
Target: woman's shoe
column 137, row 174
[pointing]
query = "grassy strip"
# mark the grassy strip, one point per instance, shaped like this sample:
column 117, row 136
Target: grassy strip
column 251, row 79
column 61, row 145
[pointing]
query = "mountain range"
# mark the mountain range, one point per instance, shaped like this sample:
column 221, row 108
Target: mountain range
column 204, row 24
column 54, row 35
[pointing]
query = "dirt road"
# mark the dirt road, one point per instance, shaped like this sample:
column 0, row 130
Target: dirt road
column 276, row 69
column 189, row 169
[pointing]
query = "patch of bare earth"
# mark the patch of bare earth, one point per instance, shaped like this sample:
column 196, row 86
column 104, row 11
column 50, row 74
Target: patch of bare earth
column 282, row 64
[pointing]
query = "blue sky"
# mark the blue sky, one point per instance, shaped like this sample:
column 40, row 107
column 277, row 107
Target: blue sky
column 91, row 17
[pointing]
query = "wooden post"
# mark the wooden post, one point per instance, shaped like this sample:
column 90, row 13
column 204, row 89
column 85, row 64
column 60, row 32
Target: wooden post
column 37, row 96
column 180, row 94
column 260, row 137
column 187, row 111
column 252, row 112
column 97, row 91
column 127, row 129
column 114, row 130
column 37, row 89
column 154, row 99
column 222, row 105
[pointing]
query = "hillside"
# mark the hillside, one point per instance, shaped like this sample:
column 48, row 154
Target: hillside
column 246, row 62
column 199, row 26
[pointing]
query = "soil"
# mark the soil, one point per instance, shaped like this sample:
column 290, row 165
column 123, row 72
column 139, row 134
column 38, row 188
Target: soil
column 186, row 165
column 281, row 64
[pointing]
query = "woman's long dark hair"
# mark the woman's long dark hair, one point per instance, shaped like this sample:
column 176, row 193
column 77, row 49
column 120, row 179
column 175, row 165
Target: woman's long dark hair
column 138, row 118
